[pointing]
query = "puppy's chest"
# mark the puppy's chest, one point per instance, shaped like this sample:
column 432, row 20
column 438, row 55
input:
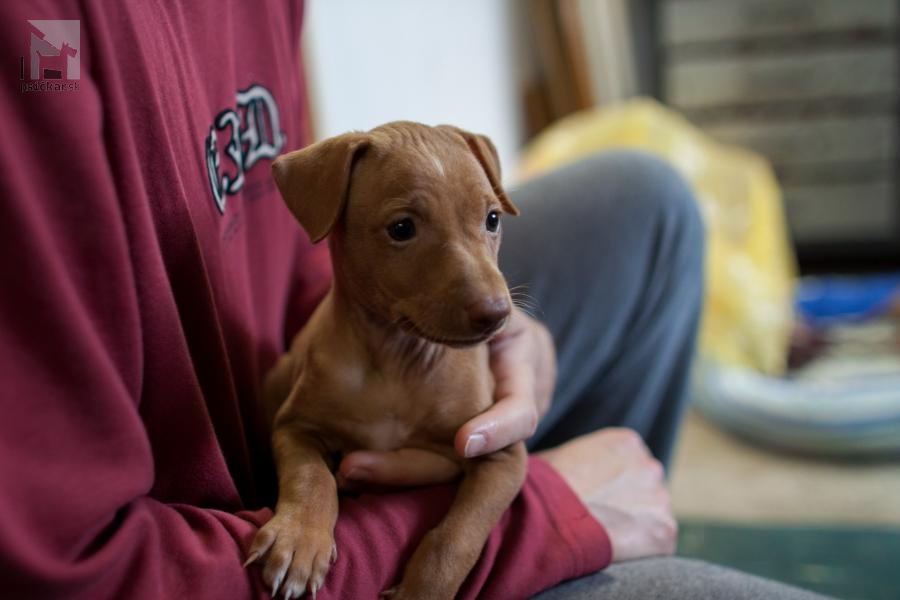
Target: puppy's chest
column 385, row 433
column 385, row 410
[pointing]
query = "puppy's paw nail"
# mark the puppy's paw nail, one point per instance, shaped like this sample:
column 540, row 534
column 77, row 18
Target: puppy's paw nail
column 277, row 584
column 251, row 559
column 333, row 553
column 388, row 592
column 291, row 592
column 313, row 589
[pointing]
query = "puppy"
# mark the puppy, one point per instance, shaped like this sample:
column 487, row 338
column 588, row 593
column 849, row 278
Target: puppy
column 395, row 356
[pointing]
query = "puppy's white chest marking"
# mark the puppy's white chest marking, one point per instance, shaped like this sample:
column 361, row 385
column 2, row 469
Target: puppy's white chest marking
column 387, row 434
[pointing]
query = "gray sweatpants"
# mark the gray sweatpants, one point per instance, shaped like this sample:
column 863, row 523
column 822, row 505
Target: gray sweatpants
column 610, row 250
column 673, row 579
column 610, row 253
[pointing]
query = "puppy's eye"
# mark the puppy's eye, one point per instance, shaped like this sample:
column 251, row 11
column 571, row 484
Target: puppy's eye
column 493, row 221
column 402, row 230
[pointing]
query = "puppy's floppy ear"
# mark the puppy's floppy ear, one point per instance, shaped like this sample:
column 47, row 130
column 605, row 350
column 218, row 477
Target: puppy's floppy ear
column 315, row 181
column 483, row 149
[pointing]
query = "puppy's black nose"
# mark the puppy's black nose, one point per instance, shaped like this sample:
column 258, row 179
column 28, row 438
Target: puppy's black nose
column 488, row 313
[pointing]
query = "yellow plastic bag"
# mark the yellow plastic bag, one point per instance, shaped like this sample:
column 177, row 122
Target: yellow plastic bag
column 750, row 266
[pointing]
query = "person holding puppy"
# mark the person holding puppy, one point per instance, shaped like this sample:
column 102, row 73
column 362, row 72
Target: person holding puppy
column 152, row 276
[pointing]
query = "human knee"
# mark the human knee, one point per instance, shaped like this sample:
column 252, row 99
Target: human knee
column 658, row 203
column 658, row 193
column 662, row 197
column 641, row 186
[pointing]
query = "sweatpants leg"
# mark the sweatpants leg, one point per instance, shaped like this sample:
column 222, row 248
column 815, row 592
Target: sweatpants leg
column 673, row 579
column 609, row 251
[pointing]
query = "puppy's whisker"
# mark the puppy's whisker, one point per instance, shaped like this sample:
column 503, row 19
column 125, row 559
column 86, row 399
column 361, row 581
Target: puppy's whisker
column 521, row 294
column 525, row 301
column 528, row 306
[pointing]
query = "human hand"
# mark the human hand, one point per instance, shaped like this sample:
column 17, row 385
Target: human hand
column 623, row 486
column 523, row 363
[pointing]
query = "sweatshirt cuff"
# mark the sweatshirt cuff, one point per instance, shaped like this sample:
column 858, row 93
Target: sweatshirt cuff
column 585, row 537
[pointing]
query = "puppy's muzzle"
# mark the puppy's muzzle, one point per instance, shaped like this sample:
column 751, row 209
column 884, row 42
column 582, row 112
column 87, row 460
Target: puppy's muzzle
column 488, row 314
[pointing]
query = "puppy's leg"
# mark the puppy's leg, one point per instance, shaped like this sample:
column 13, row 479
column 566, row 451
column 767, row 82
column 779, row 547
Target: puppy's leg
column 277, row 386
column 449, row 551
column 298, row 542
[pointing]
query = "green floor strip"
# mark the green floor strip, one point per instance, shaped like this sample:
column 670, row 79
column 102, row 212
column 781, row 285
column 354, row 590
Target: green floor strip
column 848, row 563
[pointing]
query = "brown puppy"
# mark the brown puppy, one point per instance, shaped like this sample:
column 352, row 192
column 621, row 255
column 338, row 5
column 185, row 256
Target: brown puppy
column 395, row 355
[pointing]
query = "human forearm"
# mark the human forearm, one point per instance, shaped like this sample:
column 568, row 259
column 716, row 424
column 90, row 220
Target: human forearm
column 546, row 536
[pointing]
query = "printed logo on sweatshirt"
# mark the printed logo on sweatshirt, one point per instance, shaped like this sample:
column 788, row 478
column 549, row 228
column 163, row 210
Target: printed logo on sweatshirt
column 53, row 62
column 238, row 138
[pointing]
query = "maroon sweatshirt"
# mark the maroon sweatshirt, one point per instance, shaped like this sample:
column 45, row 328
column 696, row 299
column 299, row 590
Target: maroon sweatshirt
column 150, row 276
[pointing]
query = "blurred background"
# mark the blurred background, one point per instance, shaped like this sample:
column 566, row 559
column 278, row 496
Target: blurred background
column 782, row 115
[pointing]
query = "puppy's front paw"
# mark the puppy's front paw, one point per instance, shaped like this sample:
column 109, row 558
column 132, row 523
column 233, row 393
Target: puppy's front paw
column 435, row 571
column 296, row 556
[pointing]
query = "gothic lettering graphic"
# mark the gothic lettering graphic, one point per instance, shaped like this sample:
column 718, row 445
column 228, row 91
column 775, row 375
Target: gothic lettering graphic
column 239, row 138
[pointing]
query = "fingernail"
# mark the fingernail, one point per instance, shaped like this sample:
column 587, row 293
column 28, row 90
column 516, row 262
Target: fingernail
column 359, row 474
column 475, row 445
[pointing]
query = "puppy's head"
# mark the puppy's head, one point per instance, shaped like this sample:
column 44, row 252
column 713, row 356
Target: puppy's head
column 414, row 217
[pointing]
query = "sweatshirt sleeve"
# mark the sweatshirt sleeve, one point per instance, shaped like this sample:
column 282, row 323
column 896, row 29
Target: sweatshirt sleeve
column 547, row 536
